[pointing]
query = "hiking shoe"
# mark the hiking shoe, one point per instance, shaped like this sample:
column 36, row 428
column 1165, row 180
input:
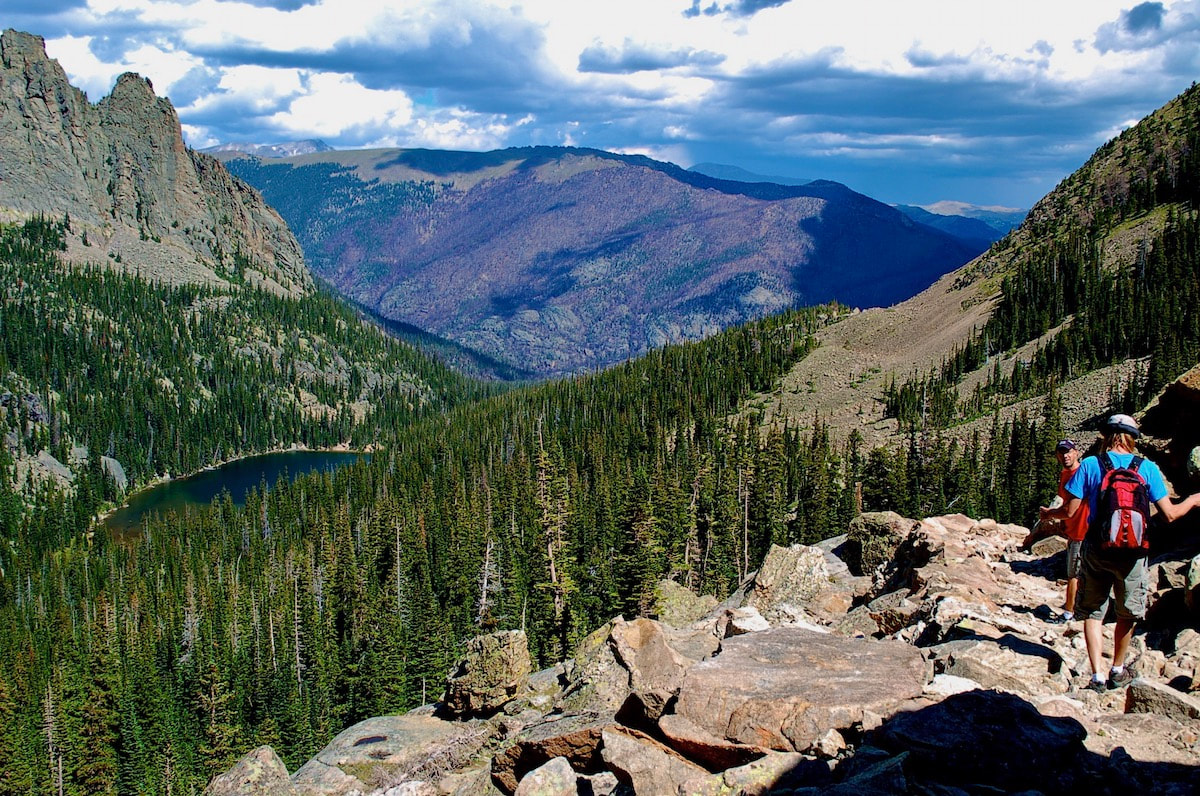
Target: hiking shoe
column 1120, row 680
column 1099, row 686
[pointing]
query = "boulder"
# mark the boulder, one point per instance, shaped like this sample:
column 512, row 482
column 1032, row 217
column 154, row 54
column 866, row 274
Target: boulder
column 596, row 680
column 1191, row 586
column 553, row 778
column 985, row 737
column 784, row 688
column 739, row 621
column 494, row 668
column 655, row 670
column 679, row 606
column 259, row 773
column 1010, row 663
column 389, row 749
column 871, row 772
column 873, row 538
column 769, row 774
column 944, row 685
column 699, row 744
column 576, row 738
column 1051, row 545
column 1147, row 696
column 895, row 610
column 788, row 578
column 645, row 764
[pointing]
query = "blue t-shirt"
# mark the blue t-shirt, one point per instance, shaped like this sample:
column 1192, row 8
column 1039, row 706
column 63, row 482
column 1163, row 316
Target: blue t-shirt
column 1085, row 484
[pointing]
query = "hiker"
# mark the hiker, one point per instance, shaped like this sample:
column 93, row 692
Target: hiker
column 1119, row 487
column 1074, row 527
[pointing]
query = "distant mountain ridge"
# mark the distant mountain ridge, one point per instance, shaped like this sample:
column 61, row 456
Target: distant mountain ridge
column 726, row 172
column 561, row 260
column 971, row 230
column 136, row 196
column 284, row 149
column 1004, row 219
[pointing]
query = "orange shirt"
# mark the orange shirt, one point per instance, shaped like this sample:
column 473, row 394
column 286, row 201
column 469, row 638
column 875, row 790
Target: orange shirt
column 1074, row 527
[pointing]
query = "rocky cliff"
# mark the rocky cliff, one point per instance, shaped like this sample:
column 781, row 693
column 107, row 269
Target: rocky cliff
column 136, row 196
column 906, row 656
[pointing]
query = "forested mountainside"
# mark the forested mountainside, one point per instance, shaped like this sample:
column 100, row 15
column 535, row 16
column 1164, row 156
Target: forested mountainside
column 1106, row 268
column 560, row 260
column 134, row 195
column 165, row 380
column 1094, row 295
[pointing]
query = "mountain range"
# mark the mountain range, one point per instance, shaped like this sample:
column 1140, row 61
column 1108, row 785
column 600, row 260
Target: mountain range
column 561, row 260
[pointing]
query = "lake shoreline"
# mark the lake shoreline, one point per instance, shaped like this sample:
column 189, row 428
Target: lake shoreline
column 343, row 447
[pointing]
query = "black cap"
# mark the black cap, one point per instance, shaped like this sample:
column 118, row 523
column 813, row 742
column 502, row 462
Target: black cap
column 1065, row 445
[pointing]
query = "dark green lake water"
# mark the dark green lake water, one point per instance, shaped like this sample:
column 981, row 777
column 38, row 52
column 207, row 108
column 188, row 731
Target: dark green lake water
column 239, row 477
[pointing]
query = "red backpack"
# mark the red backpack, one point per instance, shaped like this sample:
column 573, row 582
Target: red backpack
column 1122, row 507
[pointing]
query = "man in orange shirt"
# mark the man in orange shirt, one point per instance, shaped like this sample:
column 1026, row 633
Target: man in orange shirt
column 1074, row 527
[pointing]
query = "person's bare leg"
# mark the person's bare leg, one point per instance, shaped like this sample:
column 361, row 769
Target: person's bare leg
column 1122, row 636
column 1093, row 634
column 1072, row 590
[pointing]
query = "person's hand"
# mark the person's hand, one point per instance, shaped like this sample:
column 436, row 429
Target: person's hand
column 1046, row 513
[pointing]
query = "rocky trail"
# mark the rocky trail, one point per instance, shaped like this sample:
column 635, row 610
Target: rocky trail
column 903, row 657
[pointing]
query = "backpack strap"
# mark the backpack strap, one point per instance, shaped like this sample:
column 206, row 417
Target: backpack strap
column 1105, row 464
column 1136, row 463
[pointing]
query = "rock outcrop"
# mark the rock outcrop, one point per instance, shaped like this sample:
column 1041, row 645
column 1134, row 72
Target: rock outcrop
column 938, row 675
column 136, row 196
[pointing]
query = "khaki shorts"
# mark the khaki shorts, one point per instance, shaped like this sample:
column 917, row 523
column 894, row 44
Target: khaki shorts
column 1123, row 578
column 1074, row 562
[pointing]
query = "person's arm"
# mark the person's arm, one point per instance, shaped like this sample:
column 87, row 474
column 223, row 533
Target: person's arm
column 1173, row 511
column 1056, row 513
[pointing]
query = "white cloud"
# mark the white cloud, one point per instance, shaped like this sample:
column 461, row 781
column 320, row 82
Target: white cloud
column 335, row 103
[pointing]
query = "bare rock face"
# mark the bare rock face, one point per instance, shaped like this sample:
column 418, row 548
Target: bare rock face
column 492, row 672
column 136, row 196
column 784, row 688
column 259, row 773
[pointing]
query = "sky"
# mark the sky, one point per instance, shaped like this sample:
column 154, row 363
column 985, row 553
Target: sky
column 908, row 101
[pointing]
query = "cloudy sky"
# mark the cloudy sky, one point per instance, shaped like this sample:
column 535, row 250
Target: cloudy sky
column 909, row 101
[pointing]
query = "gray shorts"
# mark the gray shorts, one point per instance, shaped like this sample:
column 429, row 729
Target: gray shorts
column 1074, row 562
column 1124, row 578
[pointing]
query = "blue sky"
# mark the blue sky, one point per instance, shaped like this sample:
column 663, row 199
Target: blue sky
column 916, row 101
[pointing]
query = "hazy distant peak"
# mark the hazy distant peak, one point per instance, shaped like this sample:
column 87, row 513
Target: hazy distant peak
column 722, row 171
column 1000, row 218
column 949, row 207
column 285, row 149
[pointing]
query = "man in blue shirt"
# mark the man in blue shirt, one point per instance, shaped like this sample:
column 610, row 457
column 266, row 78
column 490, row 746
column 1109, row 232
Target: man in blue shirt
column 1120, row 574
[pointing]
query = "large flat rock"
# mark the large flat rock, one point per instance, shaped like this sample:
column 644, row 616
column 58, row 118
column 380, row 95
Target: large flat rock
column 388, row 749
column 785, row 688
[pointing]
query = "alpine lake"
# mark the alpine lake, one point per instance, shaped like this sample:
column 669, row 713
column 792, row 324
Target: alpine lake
column 237, row 477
